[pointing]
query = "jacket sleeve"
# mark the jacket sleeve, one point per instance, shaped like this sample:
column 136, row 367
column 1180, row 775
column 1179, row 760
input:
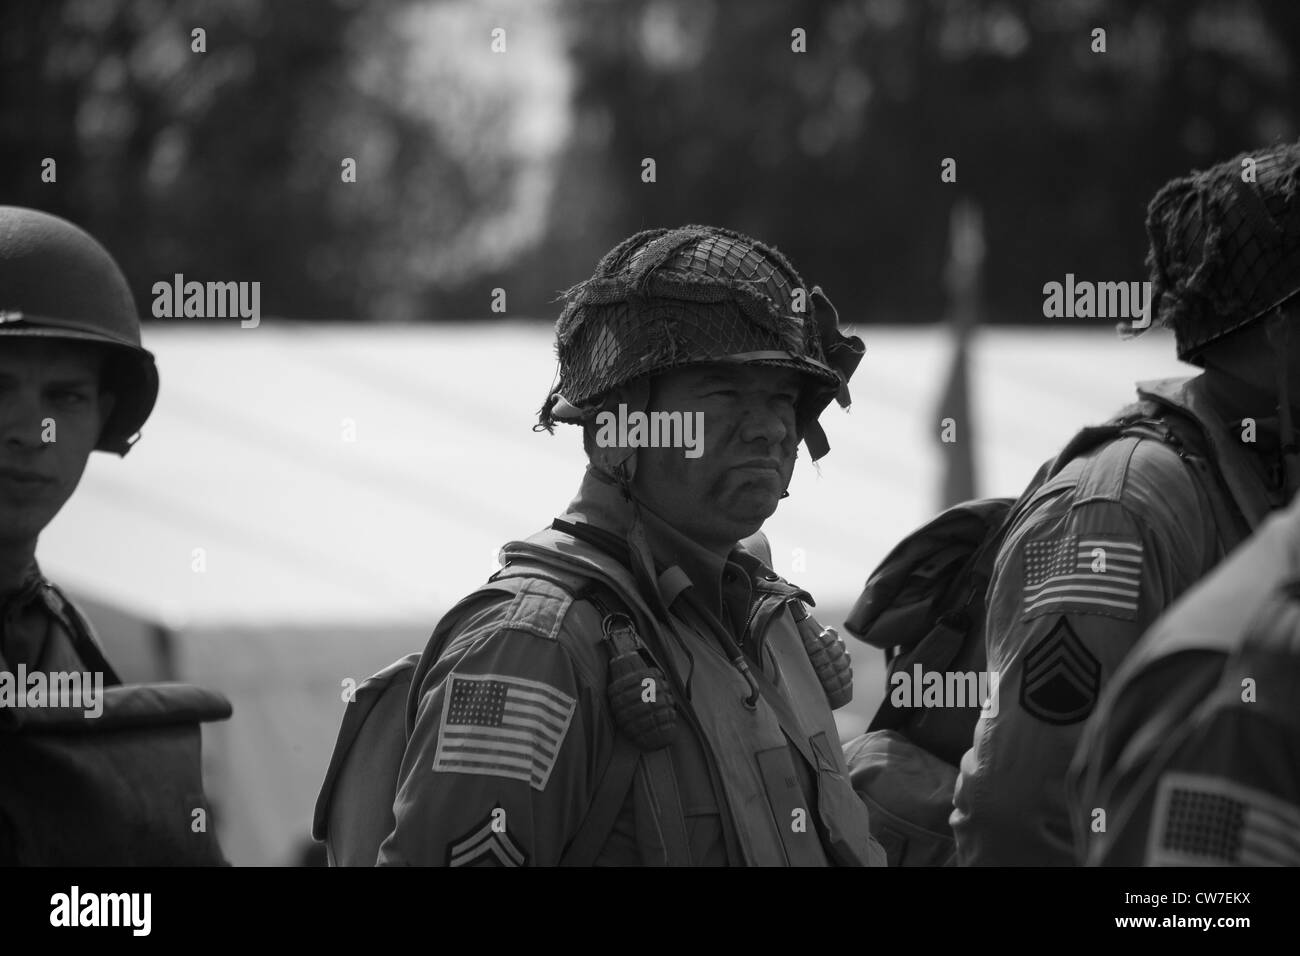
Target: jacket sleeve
column 498, row 770
column 1078, row 580
column 1222, row 787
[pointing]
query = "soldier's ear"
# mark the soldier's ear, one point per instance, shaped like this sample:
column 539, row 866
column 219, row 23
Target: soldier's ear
column 108, row 387
column 632, row 397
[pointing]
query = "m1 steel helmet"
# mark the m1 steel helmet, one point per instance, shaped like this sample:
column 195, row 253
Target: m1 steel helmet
column 668, row 298
column 57, row 282
column 1225, row 246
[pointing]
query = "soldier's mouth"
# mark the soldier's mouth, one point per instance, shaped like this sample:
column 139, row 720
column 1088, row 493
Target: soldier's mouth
column 24, row 479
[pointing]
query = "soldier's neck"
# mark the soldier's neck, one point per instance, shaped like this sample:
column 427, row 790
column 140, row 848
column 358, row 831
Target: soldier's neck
column 602, row 503
column 704, row 564
column 16, row 559
column 1238, row 397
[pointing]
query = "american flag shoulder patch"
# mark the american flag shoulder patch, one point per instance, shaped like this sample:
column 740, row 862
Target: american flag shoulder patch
column 502, row 726
column 1201, row 820
column 1088, row 573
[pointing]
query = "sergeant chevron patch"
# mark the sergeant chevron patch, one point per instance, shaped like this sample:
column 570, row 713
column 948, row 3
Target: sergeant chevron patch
column 502, row 727
column 486, row 844
column 1087, row 573
column 1061, row 678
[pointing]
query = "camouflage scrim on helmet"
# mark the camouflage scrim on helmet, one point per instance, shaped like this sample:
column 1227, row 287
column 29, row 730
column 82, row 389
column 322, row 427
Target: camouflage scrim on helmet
column 1225, row 251
column 664, row 299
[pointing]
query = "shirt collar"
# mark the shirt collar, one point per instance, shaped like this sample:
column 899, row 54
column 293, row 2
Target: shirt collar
column 28, row 587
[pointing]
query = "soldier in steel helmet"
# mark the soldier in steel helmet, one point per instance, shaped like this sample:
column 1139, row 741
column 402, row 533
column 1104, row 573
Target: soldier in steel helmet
column 1124, row 530
column 637, row 686
column 74, row 378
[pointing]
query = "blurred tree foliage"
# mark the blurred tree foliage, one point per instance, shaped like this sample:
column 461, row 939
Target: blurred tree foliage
column 478, row 170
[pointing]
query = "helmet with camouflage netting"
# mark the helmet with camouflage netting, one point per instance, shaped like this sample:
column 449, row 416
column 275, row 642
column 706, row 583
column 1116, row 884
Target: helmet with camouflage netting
column 57, row 282
column 1225, row 246
column 668, row 298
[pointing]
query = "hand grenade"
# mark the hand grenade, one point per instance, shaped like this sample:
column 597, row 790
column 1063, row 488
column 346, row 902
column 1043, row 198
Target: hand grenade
column 638, row 692
column 829, row 658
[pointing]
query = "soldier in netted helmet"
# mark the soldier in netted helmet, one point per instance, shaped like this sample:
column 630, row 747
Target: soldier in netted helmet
column 637, row 686
column 1185, row 762
column 1123, row 530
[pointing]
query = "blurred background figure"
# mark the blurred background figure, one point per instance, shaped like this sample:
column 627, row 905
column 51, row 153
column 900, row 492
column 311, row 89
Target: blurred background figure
column 406, row 181
column 1190, row 758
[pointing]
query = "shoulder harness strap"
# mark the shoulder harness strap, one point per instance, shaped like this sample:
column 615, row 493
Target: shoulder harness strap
column 83, row 638
column 645, row 727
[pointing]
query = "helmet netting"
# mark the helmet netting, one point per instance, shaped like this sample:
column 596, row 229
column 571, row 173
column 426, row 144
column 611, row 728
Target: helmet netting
column 1224, row 251
column 662, row 299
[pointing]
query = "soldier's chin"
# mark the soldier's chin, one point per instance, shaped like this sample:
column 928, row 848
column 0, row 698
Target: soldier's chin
column 20, row 521
column 751, row 505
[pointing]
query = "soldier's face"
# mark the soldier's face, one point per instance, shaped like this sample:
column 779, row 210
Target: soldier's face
column 51, row 414
column 746, row 450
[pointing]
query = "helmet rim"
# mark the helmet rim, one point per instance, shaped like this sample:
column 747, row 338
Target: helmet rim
column 135, row 388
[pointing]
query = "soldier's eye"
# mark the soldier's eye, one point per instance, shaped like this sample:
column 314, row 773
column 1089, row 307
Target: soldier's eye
column 70, row 397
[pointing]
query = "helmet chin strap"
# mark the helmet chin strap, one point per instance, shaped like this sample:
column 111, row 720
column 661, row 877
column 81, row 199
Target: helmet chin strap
column 1280, row 338
column 618, row 465
column 638, row 544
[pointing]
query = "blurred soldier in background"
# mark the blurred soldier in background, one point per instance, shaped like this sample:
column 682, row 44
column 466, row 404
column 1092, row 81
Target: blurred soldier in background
column 1193, row 755
column 74, row 378
column 637, row 686
column 1102, row 548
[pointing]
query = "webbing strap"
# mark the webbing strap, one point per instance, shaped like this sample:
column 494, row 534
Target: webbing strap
column 660, row 781
column 658, row 776
column 611, row 793
column 87, row 649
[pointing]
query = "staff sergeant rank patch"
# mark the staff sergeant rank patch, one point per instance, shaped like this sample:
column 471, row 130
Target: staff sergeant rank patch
column 502, row 727
column 1092, row 574
column 1062, row 677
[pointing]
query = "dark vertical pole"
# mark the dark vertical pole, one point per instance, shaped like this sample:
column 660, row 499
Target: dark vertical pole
column 962, row 280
